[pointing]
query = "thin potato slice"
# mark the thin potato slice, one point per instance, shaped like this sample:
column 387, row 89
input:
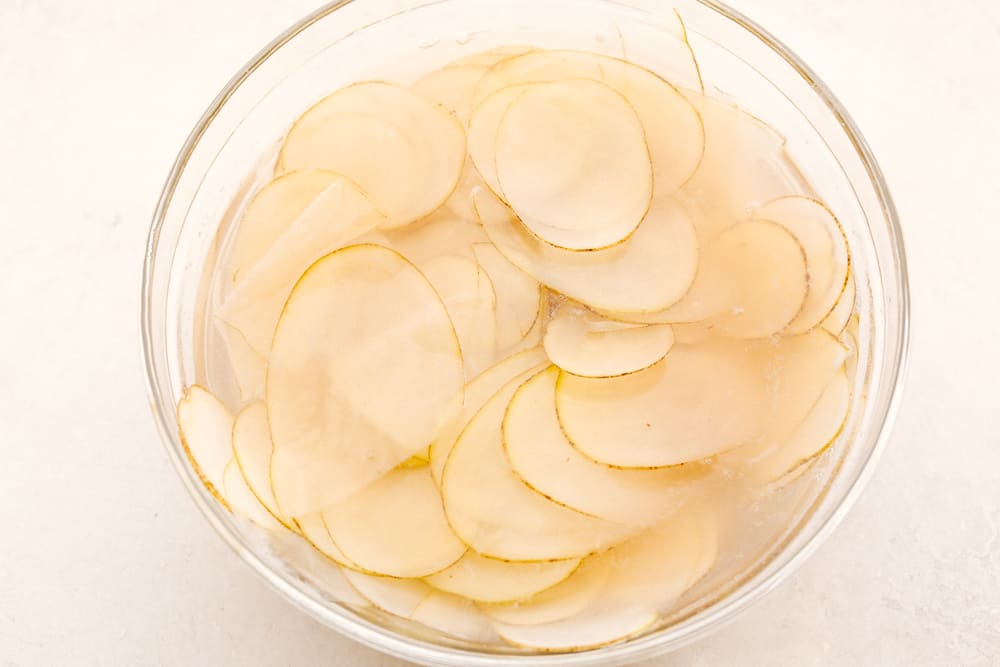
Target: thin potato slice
column 461, row 201
column 484, row 124
column 316, row 569
column 403, row 150
column 492, row 56
column 337, row 216
column 586, row 631
column 827, row 256
column 248, row 366
column 396, row 596
column 455, row 616
column 349, row 402
column 583, row 343
column 313, row 529
column 206, row 429
column 241, row 499
column 542, row 456
column 453, row 88
column 477, row 392
column 572, row 162
column 649, row 272
column 252, row 450
column 838, row 318
column 519, row 296
column 568, row 598
column 439, row 234
column 497, row 515
column 490, row 580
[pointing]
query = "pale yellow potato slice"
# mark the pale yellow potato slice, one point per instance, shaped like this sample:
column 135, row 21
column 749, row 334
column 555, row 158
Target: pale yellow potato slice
column 828, row 258
column 315, row 568
column 248, row 366
column 313, row 529
column 540, row 454
column 395, row 526
column 497, row 515
column 837, row 320
column 364, row 372
column 456, row 617
column 452, row 87
column 340, row 214
column 477, row 392
column 270, row 213
column 568, row 598
column 492, row 56
column 672, row 125
column 484, row 124
column 647, row 273
column 441, row 233
column 572, row 162
column 206, row 430
column 468, row 294
column 461, row 201
column 404, row 151
column 582, row 342
column 252, row 450
column 519, row 297
column 490, row 580
column 242, row 500
column 586, row 631
column 396, row 596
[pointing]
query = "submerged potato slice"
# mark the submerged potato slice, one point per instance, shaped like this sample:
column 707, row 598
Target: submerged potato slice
column 313, row 529
column 404, row 151
column 453, row 88
column 586, row 631
column 490, row 580
column 649, row 272
column 395, row 526
column 206, row 430
column 248, row 366
column 838, row 318
column 316, row 569
column 519, row 297
column 455, row 616
column 497, row 515
column 541, row 455
column 491, row 57
column 484, row 124
column 572, row 162
column 365, row 370
column 439, row 234
column 252, row 450
column 584, row 343
column 242, row 500
column 396, row 596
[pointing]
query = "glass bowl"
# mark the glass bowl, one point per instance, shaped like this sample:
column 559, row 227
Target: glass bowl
column 348, row 41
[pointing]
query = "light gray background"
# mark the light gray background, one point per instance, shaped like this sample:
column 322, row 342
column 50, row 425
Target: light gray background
column 105, row 561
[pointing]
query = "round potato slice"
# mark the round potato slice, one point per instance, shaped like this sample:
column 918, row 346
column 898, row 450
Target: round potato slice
column 316, row 568
column 403, row 150
column 365, row 370
column 395, row 526
column 647, row 273
column 519, row 297
column 827, row 256
column 586, row 631
column 489, row 580
column 572, row 162
column 453, row 88
column 206, row 430
column 313, row 529
column 396, row 596
column 248, row 366
column 484, row 124
column 492, row 56
column 542, row 456
column 583, row 343
column 497, row 515
column 455, row 616
column 439, row 234
column 837, row 320
column 241, row 499
column 252, row 450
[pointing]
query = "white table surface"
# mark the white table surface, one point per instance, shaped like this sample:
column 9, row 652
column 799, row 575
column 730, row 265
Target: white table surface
column 104, row 560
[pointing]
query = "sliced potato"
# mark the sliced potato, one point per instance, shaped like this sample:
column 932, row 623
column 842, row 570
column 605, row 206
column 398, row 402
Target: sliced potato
column 484, row 124
column 541, row 455
column 396, row 596
column 206, row 429
column 241, row 499
column 403, row 150
column 583, row 343
column 439, row 234
column 313, row 529
column 837, row 320
column 477, row 393
column 453, row 88
column 252, row 450
column 649, row 272
column 492, row 56
column 347, row 403
column 568, row 598
column 572, row 162
column 586, row 631
column 496, row 514
column 248, row 366
column 461, row 201
column 519, row 297
column 316, row 569
column 490, row 580
column 455, row 616
column 395, row 526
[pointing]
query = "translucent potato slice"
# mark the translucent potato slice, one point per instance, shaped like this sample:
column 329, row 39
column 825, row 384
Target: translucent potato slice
column 206, row 429
column 396, row 596
column 453, row 88
column 541, row 455
column 241, row 499
column 248, row 366
column 403, row 150
column 587, row 631
column 649, row 272
column 491, row 57
column 315, row 568
column 490, row 580
column 519, row 296
column 837, row 320
column 460, row 203
column 568, row 598
column 572, row 162
column 672, row 126
column 346, row 404
column 583, row 343
column 395, row 526
column 336, row 217
column 252, row 450
column 827, row 257
column 455, row 616
column 439, row 234
column 477, row 392
column 484, row 124
column 497, row 515
column 313, row 529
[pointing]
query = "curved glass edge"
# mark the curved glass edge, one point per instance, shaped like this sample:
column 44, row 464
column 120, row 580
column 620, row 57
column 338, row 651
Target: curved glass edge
column 682, row 634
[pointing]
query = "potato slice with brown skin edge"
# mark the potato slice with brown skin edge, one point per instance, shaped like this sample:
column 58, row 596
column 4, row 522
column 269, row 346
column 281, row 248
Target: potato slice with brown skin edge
column 518, row 295
column 490, row 580
column 496, row 514
column 396, row 596
column 566, row 599
column 248, row 366
column 456, row 617
column 206, row 429
column 252, row 451
column 572, row 162
column 484, row 123
column 313, row 529
column 837, row 320
column 578, row 633
column 340, row 214
column 419, row 155
column 316, row 569
column 441, row 233
column 453, row 88
column 541, row 456
column 652, row 270
column 477, row 392
column 583, row 343
column 391, row 380
column 491, row 57
column 241, row 499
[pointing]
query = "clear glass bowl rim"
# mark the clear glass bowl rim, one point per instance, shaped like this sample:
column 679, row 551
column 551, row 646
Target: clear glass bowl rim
column 667, row 639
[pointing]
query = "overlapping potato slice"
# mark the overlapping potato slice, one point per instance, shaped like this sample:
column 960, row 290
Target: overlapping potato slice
column 455, row 616
column 484, row 124
column 519, row 297
column 313, row 529
column 452, row 87
column 497, row 515
column 572, row 162
column 540, row 454
column 252, row 451
column 490, row 57
column 364, row 372
column 477, row 392
column 206, row 430
column 404, row 151
column 242, row 500
column 649, row 272
column 439, row 234
column 485, row 579
column 837, row 320
column 586, row 631
column 248, row 366
column 396, row 596
column 314, row 567
column 583, row 343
